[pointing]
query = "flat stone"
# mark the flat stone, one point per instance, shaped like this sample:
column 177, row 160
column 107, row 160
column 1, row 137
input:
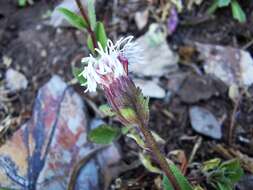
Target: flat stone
column 204, row 122
column 42, row 153
column 15, row 80
column 196, row 88
column 150, row 88
column 231, row 65
column 141, row 18
column 158, row 59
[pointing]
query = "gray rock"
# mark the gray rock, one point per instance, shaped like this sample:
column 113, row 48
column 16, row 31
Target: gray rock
column 158, row 59
column 44, row 151
column 196, row 88
column 150, row 88
column 231, row 65
column 204, row 122
column 15, row 80
column 141, row 18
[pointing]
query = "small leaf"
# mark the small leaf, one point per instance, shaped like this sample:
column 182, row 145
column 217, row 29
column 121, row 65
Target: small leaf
column 181, row 179
column 223, row 186
column 128, row 113
column 157, row 138
column 156, row 35
column 22, row 3
column 166, row 183
column 104, row 134
column 76, row 72
column 237, row 12
column 74, row 19
column 92, row 14
column 101, row 34
column 223, row 3
column 146, row 162
column 137, row 139
column 106, row 110
column 211, row 164
column 213, row 7
column 90, row 44
column 126, row 129
column 233, row 170
column 198, row 187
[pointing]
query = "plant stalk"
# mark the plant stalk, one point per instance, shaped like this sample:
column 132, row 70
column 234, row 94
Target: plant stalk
column 158, row 155
column 86, row 18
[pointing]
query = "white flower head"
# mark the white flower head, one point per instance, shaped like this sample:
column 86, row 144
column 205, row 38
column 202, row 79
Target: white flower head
column 111, row 63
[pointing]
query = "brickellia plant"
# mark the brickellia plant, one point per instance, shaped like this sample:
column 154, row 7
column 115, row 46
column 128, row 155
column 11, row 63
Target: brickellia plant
column 106, row 68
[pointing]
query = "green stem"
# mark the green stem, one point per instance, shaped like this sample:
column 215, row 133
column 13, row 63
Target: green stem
column 158, row 155
column 86, row 18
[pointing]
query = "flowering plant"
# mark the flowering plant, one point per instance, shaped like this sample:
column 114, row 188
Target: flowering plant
column 107, row 68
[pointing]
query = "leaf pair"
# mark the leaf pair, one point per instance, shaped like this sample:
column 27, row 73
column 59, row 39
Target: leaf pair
column 96, row 31
column 97, row 28
column 236, row 9
column 224, row 175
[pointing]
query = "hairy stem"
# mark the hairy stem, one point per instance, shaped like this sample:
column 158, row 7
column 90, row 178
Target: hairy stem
column 158, row 155
column 86, row 18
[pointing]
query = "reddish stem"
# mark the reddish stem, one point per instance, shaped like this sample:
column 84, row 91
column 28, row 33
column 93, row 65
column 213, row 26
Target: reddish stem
column 158, row 155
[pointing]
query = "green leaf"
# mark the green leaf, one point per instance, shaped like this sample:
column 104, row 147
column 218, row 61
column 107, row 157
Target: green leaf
column 224, row 186
column 155, row 35
column 213, row 7
column 146, row 162
column 22, row 3
column 223, row 3
column 90, row 44
column 106, row 110
column 76, row 72
column 211, row 164
column 181, row 179
column 91, row 13
column 74, row 19
column 237, row 12
column 157, row 138
column 125, row 130
column 104, row 134
column 128, row 113
column 198, row 187
column 233, row 170
column 166, row 183
column 136, row 138
column 101, row 34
